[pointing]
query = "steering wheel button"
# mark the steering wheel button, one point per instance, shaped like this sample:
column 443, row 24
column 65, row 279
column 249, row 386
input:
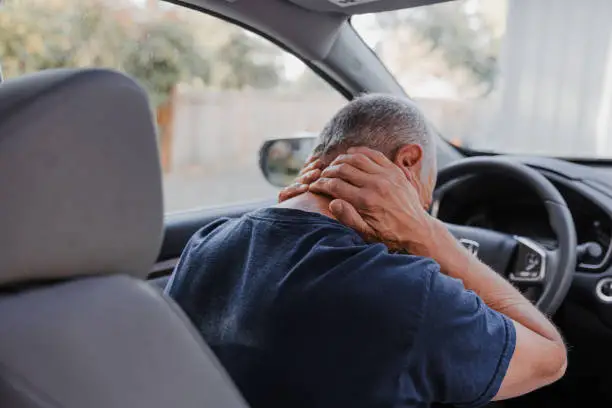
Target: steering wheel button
column 530, row 261
column 526, row 274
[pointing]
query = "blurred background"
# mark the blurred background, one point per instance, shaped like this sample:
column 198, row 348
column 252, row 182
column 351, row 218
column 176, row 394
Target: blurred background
column 524, row 76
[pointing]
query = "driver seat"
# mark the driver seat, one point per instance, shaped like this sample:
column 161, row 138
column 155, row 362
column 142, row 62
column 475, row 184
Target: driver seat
column 81, row 215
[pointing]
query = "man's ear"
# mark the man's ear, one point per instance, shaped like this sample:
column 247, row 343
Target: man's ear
column 409, row 158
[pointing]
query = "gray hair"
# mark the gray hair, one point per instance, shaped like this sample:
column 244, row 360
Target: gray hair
column 380, row 122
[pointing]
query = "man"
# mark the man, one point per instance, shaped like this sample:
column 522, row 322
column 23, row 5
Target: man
column 305, row 312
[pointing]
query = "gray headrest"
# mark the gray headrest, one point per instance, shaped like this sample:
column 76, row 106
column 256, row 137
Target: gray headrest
column 80, row 184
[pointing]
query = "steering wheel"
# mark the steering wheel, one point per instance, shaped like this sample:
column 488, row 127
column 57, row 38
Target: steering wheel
column 523, row 261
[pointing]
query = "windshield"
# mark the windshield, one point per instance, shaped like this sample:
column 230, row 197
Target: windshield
column 516, row 76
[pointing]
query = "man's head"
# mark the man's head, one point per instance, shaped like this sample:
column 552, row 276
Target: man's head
column 391, row 125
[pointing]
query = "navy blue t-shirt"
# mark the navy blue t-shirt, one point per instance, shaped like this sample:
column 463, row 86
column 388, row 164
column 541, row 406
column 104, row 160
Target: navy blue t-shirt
column 303, row 313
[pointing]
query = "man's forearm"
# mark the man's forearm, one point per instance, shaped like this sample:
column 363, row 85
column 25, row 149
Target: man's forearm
column 494, row 290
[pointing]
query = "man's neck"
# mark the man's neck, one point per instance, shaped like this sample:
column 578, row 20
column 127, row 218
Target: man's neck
column 308, row 202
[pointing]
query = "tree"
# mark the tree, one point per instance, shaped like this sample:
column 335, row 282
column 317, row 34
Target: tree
column 238, row 59
column 37, row 35
column 466, row 35
column 244, row 61
column 159, row 48
column 22, row 45
column 162, row 56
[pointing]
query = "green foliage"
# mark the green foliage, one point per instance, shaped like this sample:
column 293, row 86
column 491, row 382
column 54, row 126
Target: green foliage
column 163, row 55
column 35, row 36
column 158, row 48
column 465, row 37
column 240, row 68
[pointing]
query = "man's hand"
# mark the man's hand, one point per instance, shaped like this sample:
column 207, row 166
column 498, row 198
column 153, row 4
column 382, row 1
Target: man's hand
column 308, row 174
column 375, row 198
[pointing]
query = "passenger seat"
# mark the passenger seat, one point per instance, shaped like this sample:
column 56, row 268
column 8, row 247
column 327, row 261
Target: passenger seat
column 81, row 224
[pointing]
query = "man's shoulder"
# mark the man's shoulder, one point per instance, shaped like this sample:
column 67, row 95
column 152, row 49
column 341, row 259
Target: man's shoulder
column 375, row 262
column 270, row 233
column 392, row 282
column 324, row 243
column 207, row 233
column 275, row 223
column 397, row 277
column 367, row 278
column 322, row 248
column 369, row 292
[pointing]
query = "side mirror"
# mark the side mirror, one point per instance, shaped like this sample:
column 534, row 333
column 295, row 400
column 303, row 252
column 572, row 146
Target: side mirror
column 280, row 160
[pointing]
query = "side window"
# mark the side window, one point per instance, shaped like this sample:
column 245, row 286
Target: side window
column 219, row 91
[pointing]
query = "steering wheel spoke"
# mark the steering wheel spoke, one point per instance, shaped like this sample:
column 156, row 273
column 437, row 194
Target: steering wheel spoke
column 530, row 262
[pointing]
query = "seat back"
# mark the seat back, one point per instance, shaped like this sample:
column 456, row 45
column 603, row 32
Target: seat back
column 81, row 211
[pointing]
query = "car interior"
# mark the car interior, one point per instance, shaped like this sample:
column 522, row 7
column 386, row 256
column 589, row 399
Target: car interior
column 84, row 227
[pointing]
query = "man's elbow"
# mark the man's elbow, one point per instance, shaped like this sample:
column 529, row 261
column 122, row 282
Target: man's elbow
column 561, row 364
column 556, row 364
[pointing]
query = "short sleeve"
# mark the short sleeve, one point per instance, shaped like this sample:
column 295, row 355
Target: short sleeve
column 463, row 347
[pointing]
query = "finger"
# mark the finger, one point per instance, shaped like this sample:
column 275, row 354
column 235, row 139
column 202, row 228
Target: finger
column 376, row 156
column 360, row 161
column 348, row 173
column 346, row 214
column 292, row 191
column 300, row 185
column 413, row 185
column 316, row 164
column 312, row 158
column 309, row 177
column 337, row 188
